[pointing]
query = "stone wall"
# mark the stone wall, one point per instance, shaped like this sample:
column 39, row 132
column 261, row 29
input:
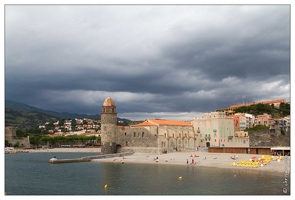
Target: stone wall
column 10, row 134
column 264, row 138
column 136, row 137
column 142, row 139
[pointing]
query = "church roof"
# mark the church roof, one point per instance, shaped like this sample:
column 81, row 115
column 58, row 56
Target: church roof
column 146, row 123
column 108, row 102
column 156, row 122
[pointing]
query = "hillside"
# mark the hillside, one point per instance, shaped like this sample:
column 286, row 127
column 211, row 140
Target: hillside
column 26, row 116
column 259, row 109
column 64, row 115
column 27, row 120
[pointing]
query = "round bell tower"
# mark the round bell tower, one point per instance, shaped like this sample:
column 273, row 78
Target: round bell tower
column 108, row 127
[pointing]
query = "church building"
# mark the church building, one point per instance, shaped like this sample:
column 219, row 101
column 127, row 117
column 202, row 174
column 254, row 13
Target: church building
column 151, row 136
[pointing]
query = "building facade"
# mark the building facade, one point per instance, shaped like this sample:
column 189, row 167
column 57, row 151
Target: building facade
column 153, row 135
column 264, row 120
column 159, row 135
column 217, row 130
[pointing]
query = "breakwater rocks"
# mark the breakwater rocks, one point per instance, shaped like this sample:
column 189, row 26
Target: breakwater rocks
column 88, row 158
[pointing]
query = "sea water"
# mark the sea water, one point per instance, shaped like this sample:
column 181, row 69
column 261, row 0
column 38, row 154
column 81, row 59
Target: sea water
column 32, row 174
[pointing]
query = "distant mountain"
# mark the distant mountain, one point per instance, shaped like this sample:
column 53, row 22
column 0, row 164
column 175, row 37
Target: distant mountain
column 22, row 119
column 63, row 115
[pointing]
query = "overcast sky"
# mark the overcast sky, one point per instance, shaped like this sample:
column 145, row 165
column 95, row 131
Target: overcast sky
column 163, row 61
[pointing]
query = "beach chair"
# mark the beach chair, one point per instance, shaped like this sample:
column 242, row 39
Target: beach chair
column 256, row 165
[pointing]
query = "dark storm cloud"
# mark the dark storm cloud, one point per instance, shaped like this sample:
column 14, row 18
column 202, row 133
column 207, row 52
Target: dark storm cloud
column 244, row 45
column 150, row 59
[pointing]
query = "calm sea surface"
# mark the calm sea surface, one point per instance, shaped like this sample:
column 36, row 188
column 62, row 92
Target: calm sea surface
column 31, row 174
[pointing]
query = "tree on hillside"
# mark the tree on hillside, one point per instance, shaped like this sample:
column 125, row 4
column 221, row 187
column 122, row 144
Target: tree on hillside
column 50, row 126
column 285, row 109
column 260, row 109
column 73, row 124
column 61, row 122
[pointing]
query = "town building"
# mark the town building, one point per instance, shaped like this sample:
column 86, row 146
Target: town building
column 264, row 120
column 217, row 130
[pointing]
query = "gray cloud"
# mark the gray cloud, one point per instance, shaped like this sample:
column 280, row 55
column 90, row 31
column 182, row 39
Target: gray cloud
column 156, row 59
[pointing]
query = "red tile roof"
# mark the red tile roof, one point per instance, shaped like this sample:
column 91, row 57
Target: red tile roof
column 156, row 122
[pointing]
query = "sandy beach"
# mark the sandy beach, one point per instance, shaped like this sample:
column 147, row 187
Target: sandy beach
column 202, row 159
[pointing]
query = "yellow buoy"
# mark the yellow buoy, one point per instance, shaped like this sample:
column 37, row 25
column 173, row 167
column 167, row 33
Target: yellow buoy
column 180, row 177
column 105, row 186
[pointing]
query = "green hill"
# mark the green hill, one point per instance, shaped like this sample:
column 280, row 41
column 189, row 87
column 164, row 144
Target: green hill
column 28, row 120
column 25, row 116
column 259, row 109
column 64, row 115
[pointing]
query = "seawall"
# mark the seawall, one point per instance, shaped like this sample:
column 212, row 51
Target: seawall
column 88, row 158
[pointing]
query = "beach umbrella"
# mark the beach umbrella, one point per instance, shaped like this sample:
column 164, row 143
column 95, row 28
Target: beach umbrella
column 253, row 157
column 262, row 159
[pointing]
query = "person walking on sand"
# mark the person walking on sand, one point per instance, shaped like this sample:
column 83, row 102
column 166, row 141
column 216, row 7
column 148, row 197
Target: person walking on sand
column 193, row 161
column 186, row 161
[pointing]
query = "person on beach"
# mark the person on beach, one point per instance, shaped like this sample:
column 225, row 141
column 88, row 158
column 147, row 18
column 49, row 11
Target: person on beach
column 193, row 161
column 186, row 161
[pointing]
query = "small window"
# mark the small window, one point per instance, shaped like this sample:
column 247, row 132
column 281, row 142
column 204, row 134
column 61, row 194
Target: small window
column 125, row 133
column 134, row 134
column 142, row 134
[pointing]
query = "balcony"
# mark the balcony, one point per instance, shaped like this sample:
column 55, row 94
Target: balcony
column 214, row 130
column 230, row 137
column 198, row 131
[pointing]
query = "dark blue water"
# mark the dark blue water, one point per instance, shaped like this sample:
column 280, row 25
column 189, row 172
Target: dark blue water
column 31, row 174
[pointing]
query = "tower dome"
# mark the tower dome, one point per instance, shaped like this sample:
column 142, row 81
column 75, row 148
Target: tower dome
column 108, row 102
